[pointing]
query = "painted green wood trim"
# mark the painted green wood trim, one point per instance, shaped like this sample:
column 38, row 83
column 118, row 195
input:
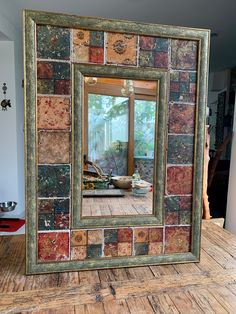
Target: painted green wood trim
column 159, row 169
column 30, row 142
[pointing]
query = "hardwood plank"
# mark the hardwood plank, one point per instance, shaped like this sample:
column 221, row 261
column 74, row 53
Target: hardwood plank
column 139, row 273
column 207, row 263
column 68, row 279
column 162, row 303
column 184, row 303
column 57, row 310
column 116, row 307
column 187, row 267
column 226, row 298
column 97, row 308
column 89, row 277
column 139, row 305
column 160, row 270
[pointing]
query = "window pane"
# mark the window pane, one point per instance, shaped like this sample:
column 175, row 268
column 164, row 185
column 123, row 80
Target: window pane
column 108, row 132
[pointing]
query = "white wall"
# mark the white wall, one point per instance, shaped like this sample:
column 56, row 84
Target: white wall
column 12, row 121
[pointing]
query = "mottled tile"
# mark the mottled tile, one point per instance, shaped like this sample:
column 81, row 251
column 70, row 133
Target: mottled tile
column 54, row 113
column 156, row 234
column 147, row 43
column 94, row 236
column 161, row 60
column 182, row 89
column 180, row 149
column 184, row 54
column 125, row 235
column 81, row 54
column 45, row 206
column 141, row 235
column 53, row 246
column 96, row 39
column 61, row 206
column 53, row 147
column 53, row 42
column 181, row 119
column 110, row 235
column 124, row 249
column 46, row 221
column 185, row 217
column 179, row 180
column 96, row 55
column 78, row 252
column 54, row 181
column 121, row 49
column 81, row 37
column 161, row 44
column 140, row 249
column 111, row 249
column 171, row 217
column 146, row 59
column 45, row 86
column 178, row 240
column 62, row 87
column 78, row 237
column 62, row 221
column 155, row 248
column 94, row 250
column 45, row 70
column 61, row 71
column 178, row 203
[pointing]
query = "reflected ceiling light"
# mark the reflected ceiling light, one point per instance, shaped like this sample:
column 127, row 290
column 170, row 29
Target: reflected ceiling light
column 90, row 80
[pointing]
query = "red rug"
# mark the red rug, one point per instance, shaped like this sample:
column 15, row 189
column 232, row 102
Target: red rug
column 11, row 224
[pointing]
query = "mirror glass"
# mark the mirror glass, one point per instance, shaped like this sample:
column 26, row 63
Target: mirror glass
column 119, row 125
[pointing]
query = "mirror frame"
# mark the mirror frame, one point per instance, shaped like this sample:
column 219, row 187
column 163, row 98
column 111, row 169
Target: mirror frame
column 202, row 37
column 79, row 71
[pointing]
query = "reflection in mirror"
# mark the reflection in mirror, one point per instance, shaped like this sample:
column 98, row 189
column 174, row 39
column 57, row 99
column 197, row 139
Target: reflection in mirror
column 119, row 123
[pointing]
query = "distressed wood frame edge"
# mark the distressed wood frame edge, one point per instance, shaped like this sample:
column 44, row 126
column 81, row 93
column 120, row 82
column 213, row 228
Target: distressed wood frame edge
column 31, row 18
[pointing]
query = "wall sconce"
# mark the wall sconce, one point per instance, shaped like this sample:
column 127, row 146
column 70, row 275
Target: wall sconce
column 5, row 102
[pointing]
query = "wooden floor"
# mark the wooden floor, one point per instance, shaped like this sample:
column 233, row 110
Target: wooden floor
column 205, row 287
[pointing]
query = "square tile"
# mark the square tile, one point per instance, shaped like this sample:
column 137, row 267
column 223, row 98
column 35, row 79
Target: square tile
column 45, row 86
column 146, row 59
column 53, row 246
column 184, row 54
column 141, row 235
column 96, row 55
column 54, row 113
column 178, row 203
column 110, row 235
column 62, row 221
column 121, row 49
column 45, row 206
column 181, row 119
column 61, row 206
column 171, row 217
column 53, row 147
column 94, row 236
column 182, row 89
column 185, row 217
column 96, row 39
column 46, row 221
column 155, row 234
column 140, row 249
column 45, row 70
column 62, row 87
column 81, row 37
column 161, row 44
column 125, row 235
column 155, row 248
column 61, row 70
column 178, row 240
column 161, row 60
column 124, row 249
column 53, row 42
column 94, row 250
column 180, row 149
column 147, row 43
column 81, row 54
column 179, row 180
column 78, row 252
column 111, row 249
column 78, row 237
column 54, row 181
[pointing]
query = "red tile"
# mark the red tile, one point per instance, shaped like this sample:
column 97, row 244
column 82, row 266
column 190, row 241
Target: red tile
column 111, row 249
column 79, row 237
column 179, row 180
column 155, row 234
column 125, row 235
column 181, row 119
column 124, row 249
column 177, row 240
column 141, row 235
column 53, row 246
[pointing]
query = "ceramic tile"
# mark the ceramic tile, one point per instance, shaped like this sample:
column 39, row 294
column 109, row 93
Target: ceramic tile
column 79, row 252
column 62, row 221
column 140, row 249
column 78, row 237
column 94, row 236
column 45, row 86
column 53, row 42
column 181, row 119
column 178, row 203
column 81, row 37
column 53, row 113
column 155, row 248
column 146, row 59
column 185, row 217
column 110, row 236
column 96, row 55
column 121, row 49
column 161, row 44
column 179, row 180
column 171, row 217
column 125, row 235
column 177, row 240
column 156, row 234
column 180, row 149
column 161, row 60
column 62, row 87
column 182, row 87
column 53, row 147
column 141, row 235
column 46, row 221
column 81, row 54
column 94, row 250
column 96, row 39
column 147, row 43
column 61, row 206
column 54, row 181
column 124, row 249
column 45, row 70
column 53, row 246
column 45, row 206
column 184, row 54
column 111, row 249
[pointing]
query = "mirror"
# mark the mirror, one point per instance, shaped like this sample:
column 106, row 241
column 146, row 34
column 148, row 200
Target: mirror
column 119, row 146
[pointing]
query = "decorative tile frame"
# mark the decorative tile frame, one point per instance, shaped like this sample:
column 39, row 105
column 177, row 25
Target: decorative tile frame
column 58, row 50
